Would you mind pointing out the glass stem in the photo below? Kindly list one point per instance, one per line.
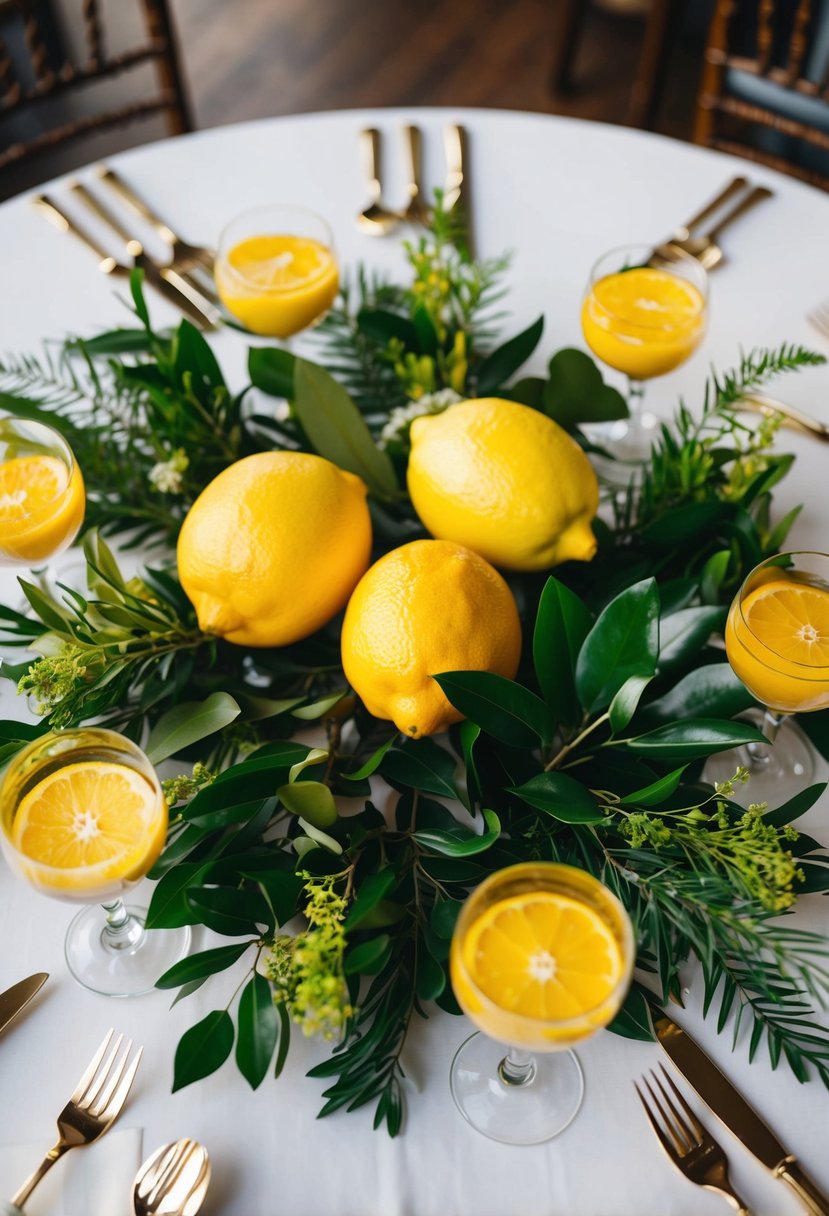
(636, 395)
(760, 753)
(517, 1067)
(122, 930)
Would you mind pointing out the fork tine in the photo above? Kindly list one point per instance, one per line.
(668, 1145)
(692, 1119)
(82, 1085)
(172, 1168)
(118, 1099)
(112, 1078)
(199, 282)
(96, 1085)
(680, 1142)
(687, 1132)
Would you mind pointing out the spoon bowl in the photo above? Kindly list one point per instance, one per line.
(173, 1181)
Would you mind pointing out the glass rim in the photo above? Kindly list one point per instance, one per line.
(265, 209)
(105, 735)
(628, 948)
(683, 259)
(769, 563)
(66, 455)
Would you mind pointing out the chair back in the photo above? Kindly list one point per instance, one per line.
(38, 75)
(765, 85)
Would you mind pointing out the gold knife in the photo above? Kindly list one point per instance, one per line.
(731, 1107)
(18, 996)
(456, 186)
(794, 418)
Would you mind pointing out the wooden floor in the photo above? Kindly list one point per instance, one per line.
(251, 58)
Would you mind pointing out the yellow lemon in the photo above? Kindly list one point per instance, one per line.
(505, 480)
(273, 547)
(425, 608)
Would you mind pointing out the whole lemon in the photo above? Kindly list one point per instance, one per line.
(273, 547)
(505, 480)
(425, 608)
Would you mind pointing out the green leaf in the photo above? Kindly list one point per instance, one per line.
(203, 1049)
(123, 341)
(229, 911)
(316, 755)
(311, 800)
(381, 326)
(657, 791)
(633, 1021)
(207, 962)
(560, 796)
(816, 726)
(713, 691)
(624, 642)
(256, 777)
(713, 576)
(506, 710)
(444, 917)
(430, 978)
(187, 723)
(281, 888)
(193, 355)
(137, 293)
(373, 762)
(272, 370)
(504, 362)
(459, 841)
(337, 430)
(529, 390)
(318, 709)
(561, 625)
(168, 905)
(371, 891)
(625, 703)
(676, 528)
(795, 807)
(421, 764)
(683, 634)
(693, 738)
(258, 1030)
(369, 958)
(576, 392)
(284, 1039)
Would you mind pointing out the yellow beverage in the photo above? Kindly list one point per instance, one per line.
(279, 284)
(541, 956)
(42, 503)
(777, 640)
(643, 321)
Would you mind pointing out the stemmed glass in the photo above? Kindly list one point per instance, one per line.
(276, 270)
(82, 818)
(541, 958)
(777, 642)
(42, 496)
(644, 321)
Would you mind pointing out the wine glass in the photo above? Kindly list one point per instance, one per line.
(541, 958)
(42, 496)
(276, 270)
(777, 642)
(82, 818)
(644, 321)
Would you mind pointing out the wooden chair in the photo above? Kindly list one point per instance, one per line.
(765, 85)
(37, 77)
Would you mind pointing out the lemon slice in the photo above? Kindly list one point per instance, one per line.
(543, 955)
(280, 263)
(791, 619)
(28, 485)
(91, 817)
(649, 298)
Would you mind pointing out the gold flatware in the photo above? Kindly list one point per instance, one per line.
(375, 219)
(193, 262)
(209, 316)
(16, 998)
(793, 418)
(456, 186)
(94, 1106)
(731, 1108)
(735, 186)
(107, 264)
(706, 248)
(691, 1148)
(819, 317)
(417, 210)
(173, 1181)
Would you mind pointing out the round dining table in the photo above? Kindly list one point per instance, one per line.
(557, 193)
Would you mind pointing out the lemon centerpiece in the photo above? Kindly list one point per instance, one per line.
(273, 547)
(505, 480)
(425, 608)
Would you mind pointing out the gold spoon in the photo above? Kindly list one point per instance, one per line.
(375, 219)
(706, 249)
(173, 1181)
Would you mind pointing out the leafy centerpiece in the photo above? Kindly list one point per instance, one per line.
(584, 745)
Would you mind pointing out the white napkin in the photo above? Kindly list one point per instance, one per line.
(95, 1181)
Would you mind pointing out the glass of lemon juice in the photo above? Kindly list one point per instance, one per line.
(777, 642)
(83, 818)
(541, 959)
(276, 270)
(42, 496)
(644, 321)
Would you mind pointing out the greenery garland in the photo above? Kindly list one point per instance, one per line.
(592, 756)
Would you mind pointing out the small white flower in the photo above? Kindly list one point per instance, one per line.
(401, 418)
(167, 475)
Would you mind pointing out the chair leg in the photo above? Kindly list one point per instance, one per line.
(570, 25)
(652, 71)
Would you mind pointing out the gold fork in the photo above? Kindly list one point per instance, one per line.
(94, 1106)
(819, 317)
(691, 1148)
(174, 1179)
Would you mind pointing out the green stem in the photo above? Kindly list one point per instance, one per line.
(574, 743)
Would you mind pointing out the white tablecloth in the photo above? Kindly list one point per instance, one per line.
(558, 192)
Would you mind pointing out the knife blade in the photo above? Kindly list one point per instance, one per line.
(18, 996)
(733, 1110)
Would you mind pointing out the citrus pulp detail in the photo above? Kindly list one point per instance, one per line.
(41, 506)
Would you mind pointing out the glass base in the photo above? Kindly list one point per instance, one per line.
(777, 772)
(128, 971)
(516, 1114)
